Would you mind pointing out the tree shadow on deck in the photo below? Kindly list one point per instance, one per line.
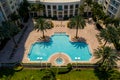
(45, 44)
(79, 42)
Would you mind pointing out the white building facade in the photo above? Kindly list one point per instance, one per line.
(59, 9)
(112, 8)
(7, 7)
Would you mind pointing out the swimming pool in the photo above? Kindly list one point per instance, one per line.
(59, 42)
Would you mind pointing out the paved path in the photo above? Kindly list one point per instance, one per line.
(5, 53)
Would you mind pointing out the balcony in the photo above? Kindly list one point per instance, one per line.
(113, 11)
(2, 1)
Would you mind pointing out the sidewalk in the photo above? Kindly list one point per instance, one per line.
(7, 50)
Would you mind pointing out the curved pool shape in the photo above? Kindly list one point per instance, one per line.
(59, 43)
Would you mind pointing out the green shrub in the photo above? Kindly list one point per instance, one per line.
(115, 76)
(69, 66)
(18, 67)
(48, 75)
(61, 70)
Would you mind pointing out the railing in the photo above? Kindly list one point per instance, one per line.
(37, 65)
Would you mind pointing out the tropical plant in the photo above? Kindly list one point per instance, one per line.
(107, 57)
(77, 22)
(14, 17)
(42, 25)
(48, 75)
(89, 3)
(36, 7)
(81, 10)
(11, 29)
(23, 9)
(3, 33)
(97, 11)
(116, 22)
(108, 35)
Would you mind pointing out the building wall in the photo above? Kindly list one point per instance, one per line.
(9, 6)
(59, 8)
(112, 8)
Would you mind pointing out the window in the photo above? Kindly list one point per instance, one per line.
(54, 7)
(12, 7)
(76, 11)
(65, 7)
(54, 12)
(76, 6)
(71, 6)
(71, 11)
(65, 12)
(60, 7)
(111, 8)
(48, 7)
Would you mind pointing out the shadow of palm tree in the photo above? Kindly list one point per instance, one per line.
(102, 74)
(46, 44)
(79, 42)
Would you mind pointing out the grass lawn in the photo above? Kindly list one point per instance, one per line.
(35, 74)
(86, 74)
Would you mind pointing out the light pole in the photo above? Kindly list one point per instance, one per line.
(77, 59)
(40, 59)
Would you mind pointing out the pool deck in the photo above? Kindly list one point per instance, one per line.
(31, 36)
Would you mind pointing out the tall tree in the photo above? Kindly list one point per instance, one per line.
(97, 11)
(81, 10)
(11, 30)
(14, 17)
(77, 22)
(42, 25)
(23, 10)
(89, 3)
(107, 57)
(48, 75)
(36, 7)
(3, 33)
(110, 34)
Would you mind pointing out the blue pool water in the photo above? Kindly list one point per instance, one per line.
(59, 43)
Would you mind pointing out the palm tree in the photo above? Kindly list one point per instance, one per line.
(110, 34)
(39, 7)
(36, 7)
(48, 75)
(14, 17)
(116, 22)
(3, 33)
(77, 22)
(97, 11)
(89, 3)
(107, 57)
(104, 35)
(23, 10)
(42, 25)
(81, 10)
(11, 30)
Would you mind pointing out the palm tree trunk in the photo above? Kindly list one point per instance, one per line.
(76, 32)
(105, 43)
(43, 34)
(14, 42)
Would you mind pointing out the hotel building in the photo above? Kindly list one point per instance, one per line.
(59, 9)
(112, 8)
(7, 7)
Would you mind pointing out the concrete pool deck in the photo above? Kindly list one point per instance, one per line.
(31, 36)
